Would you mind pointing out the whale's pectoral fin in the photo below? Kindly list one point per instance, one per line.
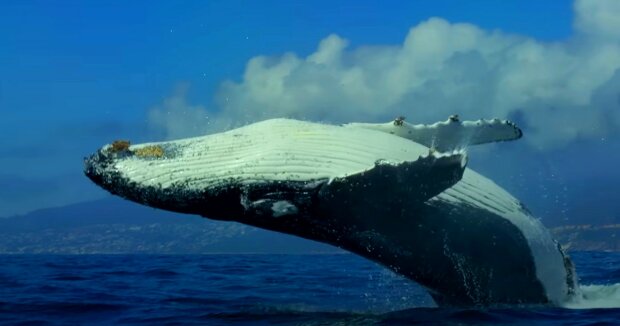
(388, 188)
(450, 134)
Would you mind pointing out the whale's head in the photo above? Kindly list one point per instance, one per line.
(166, 181)
(164, 175)
(274, 171)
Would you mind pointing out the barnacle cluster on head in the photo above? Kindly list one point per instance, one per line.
(151, 151)
(119, 146)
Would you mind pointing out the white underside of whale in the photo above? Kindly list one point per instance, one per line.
(291, 150)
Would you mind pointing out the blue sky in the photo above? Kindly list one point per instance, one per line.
(78, 74)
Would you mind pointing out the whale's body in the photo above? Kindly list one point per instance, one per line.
(380, 195)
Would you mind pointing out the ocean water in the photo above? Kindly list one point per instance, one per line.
(262, 289)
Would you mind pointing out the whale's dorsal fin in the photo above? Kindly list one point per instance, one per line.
(450, 134)
(390, 186)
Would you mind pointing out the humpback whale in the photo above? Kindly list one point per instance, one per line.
(396, 193)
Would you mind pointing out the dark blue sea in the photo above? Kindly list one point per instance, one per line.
(261, 289)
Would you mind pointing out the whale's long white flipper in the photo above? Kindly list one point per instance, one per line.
(450, 134)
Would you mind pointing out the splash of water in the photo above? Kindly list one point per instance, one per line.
(596, 297)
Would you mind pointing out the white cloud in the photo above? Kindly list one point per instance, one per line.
(598, 18)
(562, 90)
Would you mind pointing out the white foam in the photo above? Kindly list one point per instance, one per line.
(596, 296)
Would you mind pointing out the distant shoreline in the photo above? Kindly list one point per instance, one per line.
(588, 237)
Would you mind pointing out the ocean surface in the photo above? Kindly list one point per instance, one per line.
(262, 289)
